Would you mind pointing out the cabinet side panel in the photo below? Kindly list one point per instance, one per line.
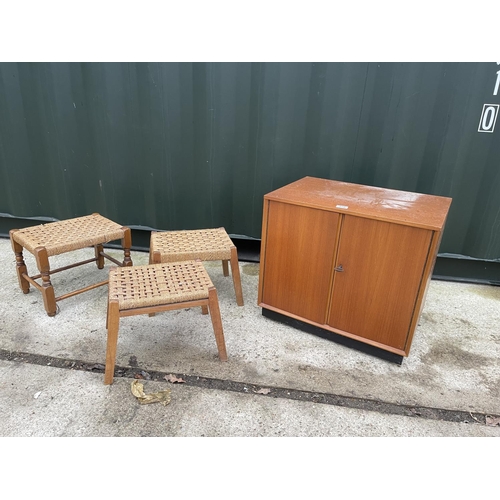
(263, 242)
(300, 244)
(431, 261)
(383, 264)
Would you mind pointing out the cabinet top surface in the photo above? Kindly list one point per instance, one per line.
(405, 207)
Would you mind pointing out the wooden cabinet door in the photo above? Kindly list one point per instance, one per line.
(299, 251)
(382, 267)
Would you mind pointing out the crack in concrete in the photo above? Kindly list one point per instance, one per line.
(443, 414)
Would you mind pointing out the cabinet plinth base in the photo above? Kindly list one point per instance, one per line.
(334, 337)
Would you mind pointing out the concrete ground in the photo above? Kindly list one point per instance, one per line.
(278, 381)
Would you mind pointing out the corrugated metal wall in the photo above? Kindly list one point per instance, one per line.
(188, 145)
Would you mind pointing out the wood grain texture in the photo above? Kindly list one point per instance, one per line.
(352, 259)
(403, 207)
(299, 250)
(326, 327)
(113, 325)
(374, 297)
(426, 279)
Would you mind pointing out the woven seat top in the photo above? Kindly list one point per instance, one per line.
(204, 244)
(158, 284)
(70, 234)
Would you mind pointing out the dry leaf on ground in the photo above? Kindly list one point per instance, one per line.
(174, 379)
(263, 391)
(492, 420)
(155, 397)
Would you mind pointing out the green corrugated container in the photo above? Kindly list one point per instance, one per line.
(191, 145)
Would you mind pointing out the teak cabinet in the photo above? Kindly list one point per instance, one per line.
(350, 259)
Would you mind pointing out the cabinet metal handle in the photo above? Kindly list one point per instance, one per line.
(339, 268)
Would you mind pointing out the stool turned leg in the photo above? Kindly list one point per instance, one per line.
(20, 264)
(204, 309)
(127, 244)
(100, 259)
(49, 298)
(213, 305)
(235, 269)
(113, 323)
(225, 268)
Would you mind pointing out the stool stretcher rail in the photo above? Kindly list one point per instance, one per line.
(81, 290)
(47, 240)
(54, 271)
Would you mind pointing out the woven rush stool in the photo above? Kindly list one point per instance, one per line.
(155, 288)
(203, 244)
(54, 238)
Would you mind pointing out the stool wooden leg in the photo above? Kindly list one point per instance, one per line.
(113, 323)
(151, 249)
(20, 264)
(49, 298)
(107, 311)
(98, 256)
(204, 309)
(225, 268)
(127, 244)
(213, 305)
(235, 269)
(154, 258)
